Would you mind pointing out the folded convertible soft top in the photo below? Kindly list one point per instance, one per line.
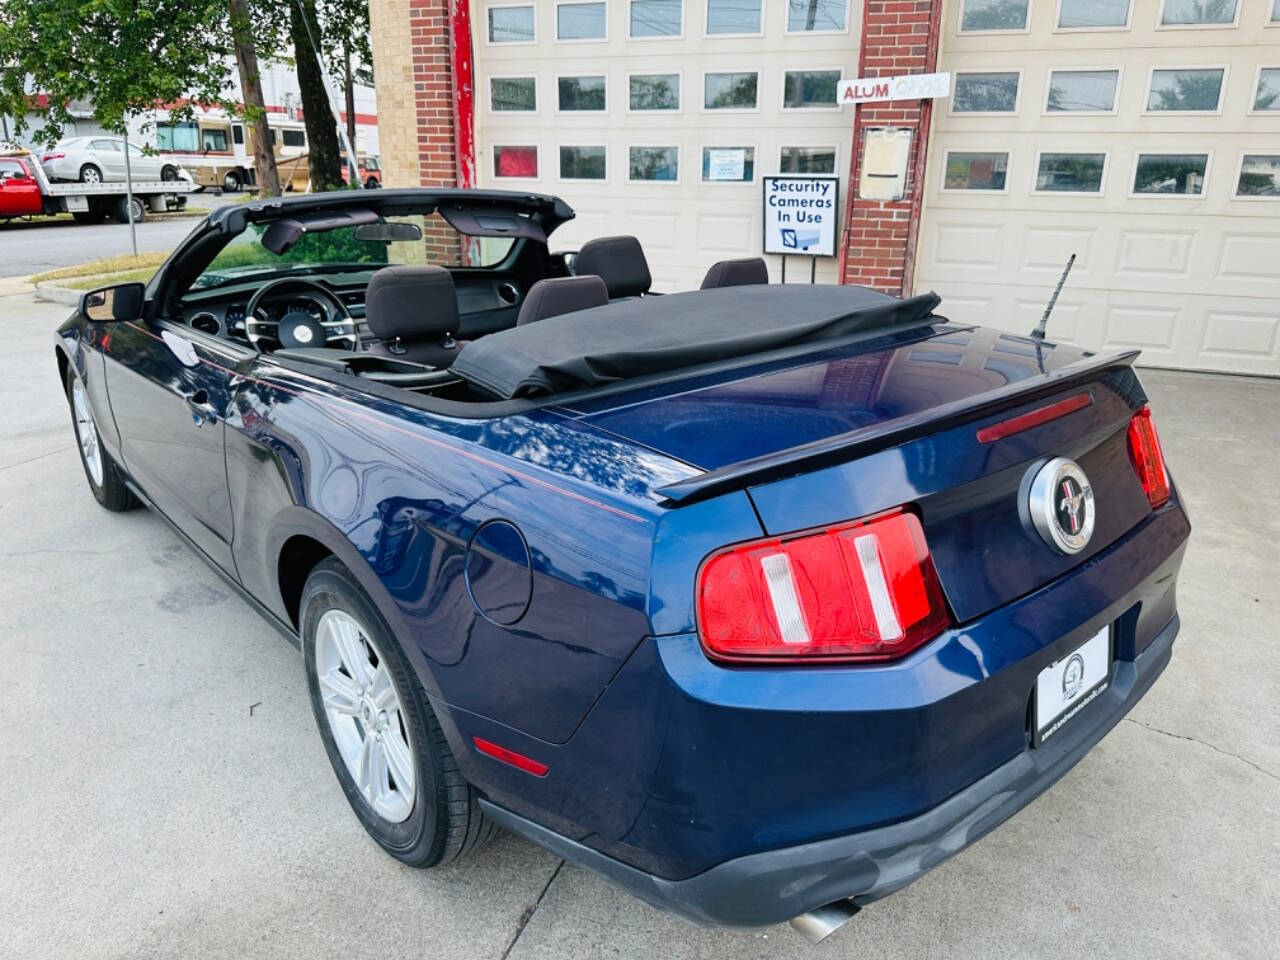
(656, 334)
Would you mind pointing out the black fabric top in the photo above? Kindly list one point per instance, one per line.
(631, 338)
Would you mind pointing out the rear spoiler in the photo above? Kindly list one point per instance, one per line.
(891, 433)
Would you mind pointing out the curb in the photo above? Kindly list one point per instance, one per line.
(14, 286)
(48, 290)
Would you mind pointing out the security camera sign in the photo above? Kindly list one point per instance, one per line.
(800, 215)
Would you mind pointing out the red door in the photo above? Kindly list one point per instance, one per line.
(19, 191)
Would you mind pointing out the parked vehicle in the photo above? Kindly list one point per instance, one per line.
(760, 601)
(25, 191)
(101, 159)
(219, 152)
(369, 169)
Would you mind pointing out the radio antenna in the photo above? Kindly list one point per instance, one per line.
(1039, 332)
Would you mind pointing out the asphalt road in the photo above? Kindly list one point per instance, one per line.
(28, 248)
(165, 794)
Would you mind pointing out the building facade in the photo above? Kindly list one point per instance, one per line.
(1141, 135)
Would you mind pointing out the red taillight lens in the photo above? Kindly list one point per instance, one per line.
(1147, 457)
(865, 590)
(52, 156)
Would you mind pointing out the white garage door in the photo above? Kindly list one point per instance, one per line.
(1143, 137)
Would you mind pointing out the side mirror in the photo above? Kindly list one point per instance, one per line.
(121, 302)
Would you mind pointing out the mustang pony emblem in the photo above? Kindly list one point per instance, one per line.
(1060, 505)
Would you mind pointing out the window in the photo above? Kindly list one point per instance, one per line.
(813, 16)
(657, 18)
(654, 91)
(1275, 12)
(294, 138)
(1079, 14)
(582, 163)
(581, 93)
(1185, 90)
(1268, 95)
(581, 21)
(660, 164)
(808, 160)
(12, 170)
(985, 93)
(215, 140)
(1171, 173)
(975, 171)
(515, 161)
(733, 16)
(994, 14)
(513, 94)
(178, 136)
(1070, 172)
(728, 164)
(1082, 91)
(809, 88)
(237, 133)
(1185, 12)
(1259, 176)
(730, 91)
(511, 24)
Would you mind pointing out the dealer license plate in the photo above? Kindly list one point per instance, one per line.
(1066, 687)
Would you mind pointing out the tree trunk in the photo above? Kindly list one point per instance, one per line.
(255, 112)
(351, 98)
(322, 131)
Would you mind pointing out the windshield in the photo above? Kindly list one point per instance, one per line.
(336, 250)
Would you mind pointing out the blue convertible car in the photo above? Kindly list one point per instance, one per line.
(759, 600)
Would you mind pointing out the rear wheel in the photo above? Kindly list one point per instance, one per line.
(168, 173)
(106, 482)
(122, 210)
(90, 174)
(383, 739)
(232, 182)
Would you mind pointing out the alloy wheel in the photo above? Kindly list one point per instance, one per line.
(86, 432)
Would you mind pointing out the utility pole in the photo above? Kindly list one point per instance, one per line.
(128, 190)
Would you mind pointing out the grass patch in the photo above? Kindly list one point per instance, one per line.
(147, 262)
(106, 280)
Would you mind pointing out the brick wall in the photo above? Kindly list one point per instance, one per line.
(899, 37)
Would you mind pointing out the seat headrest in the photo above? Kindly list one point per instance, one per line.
(736, 273)
(550, 298)
(411, 302)
(619, 262)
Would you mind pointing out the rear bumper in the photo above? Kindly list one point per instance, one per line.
(773, 886)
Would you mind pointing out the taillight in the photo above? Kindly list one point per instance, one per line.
(864, 590)
(52, 156)
(1147, 457)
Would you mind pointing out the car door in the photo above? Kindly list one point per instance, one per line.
(142, 166)
(19, 192)
(170, 388)
(108, 157)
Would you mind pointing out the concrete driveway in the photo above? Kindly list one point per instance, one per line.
(164, 792)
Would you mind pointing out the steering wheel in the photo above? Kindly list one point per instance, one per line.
(298, 328)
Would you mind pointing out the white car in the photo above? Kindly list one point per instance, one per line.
(101, 160)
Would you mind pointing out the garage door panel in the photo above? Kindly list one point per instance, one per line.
(1150, 329)
(1046, 247)
(1251, 258)
(967, 246)
(1148, 254)
(1249, 336)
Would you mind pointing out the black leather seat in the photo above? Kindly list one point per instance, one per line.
(551, 298)
(413, 311)
(746, 272)
(619, 262)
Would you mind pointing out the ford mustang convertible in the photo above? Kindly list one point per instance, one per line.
(758, 600)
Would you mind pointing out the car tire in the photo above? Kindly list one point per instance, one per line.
(231, 182)
(90, 174)
(168, 173)
(372, 184)
(121, 212)
(346, 641)
(106, 481)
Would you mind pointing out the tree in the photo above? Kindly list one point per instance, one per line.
(322, 134)
(120, 56)
(255, 111)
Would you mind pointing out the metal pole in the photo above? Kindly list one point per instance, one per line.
(784, 268)
(813, 270)
(128, 190)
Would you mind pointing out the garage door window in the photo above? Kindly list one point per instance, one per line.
(730, 91)
(1259, 176)
(654, 91)
(1082, 91)
(985, 93)
(733, 17)
(975, 171)
(1198, 12)
(1268, 95)
(807, 160)
(653, 164)
(808, 89)
(657, 18)
(1195, 91)
(582, 163)
(1171, 174)
(515, 161)
(581, 93)
(1070, 172)
(581, 21)
(814, 16)
(1093, 14)
(513, 94)
(511, 24)
(994, 15)
(728, 164)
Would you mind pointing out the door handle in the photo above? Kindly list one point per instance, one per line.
(202, 411)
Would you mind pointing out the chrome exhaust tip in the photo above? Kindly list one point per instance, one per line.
(816, 925)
